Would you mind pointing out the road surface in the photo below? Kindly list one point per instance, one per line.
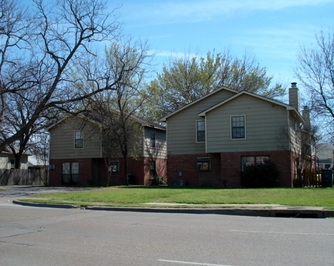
(47, 236)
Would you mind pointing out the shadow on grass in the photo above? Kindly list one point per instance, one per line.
(173, 187)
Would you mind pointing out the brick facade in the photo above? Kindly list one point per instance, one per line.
(226, 168)
(184, 167)
(94, 172)
(85, 171)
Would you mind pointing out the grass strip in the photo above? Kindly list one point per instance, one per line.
(140, 196)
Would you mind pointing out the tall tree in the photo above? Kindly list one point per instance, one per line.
(116, 109)
(40, 46)
(188, 79)
(316, 73)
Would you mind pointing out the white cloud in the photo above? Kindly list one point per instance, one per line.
(171, 54)
(168, 12)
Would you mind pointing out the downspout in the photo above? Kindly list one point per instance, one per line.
(206, 135)
(289, 130)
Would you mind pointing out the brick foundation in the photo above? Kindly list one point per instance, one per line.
(85, 172)
(93, 172)
(226, 168)
(184, 167)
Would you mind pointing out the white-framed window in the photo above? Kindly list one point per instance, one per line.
(70, 172)
(200, 131)
(78, 139)
(203, 164)
(251, 160)
(238, 127)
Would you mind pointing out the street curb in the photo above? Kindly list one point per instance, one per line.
(46, 205)
(282, 213)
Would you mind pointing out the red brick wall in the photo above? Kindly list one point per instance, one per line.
(231, 166)
(186, 166)
(93, 172)
(160, 168)
(85, 171)
(226, 168)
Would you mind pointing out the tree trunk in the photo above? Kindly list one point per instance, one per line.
(17, 163)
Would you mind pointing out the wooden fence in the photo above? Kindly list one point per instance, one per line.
(23, 177)
(309, 178)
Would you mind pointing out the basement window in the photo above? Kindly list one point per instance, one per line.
(251, 160)
(114, 167)
(203, 164)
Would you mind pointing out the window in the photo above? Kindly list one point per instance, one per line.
(238, 127)
(75, 172)
(114, 167)
(251, 160)
(200, 131)
(152, 169)
(78, 139)
(203, 164)
(152, 139)
(70, 172)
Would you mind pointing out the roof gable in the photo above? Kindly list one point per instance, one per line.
(69, 117)
(240, 94)
(95, 119)
(164, 119)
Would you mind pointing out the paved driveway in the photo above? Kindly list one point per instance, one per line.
(10, 193)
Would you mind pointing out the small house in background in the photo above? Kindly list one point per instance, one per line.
(212, 140)
(27, 174)
(7, 160)
(78, 154)
(325, 154)
(36, 162)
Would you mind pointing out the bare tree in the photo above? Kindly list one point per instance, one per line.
(116, 109)
(316, 72)
(15, 25)
(54, 37)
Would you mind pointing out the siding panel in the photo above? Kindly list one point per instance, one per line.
(181, 127)
(62, 140)
(160, 149)
(265, 126)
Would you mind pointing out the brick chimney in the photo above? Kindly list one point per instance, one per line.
(294, 96)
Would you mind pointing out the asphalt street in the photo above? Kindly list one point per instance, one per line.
(56, 236)
(51, 236)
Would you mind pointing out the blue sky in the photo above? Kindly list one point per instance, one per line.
(272, 30)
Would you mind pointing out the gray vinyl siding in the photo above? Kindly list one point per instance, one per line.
(181, 127)
(160, 149)
(295, 136)
(266, 126)
(62, 140)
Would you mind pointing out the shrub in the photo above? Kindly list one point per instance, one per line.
(260, 175)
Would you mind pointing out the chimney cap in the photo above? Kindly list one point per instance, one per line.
(293, 84)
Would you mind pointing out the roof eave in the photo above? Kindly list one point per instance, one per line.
(164, 119)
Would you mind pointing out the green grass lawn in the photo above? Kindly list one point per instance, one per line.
(140, 196)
